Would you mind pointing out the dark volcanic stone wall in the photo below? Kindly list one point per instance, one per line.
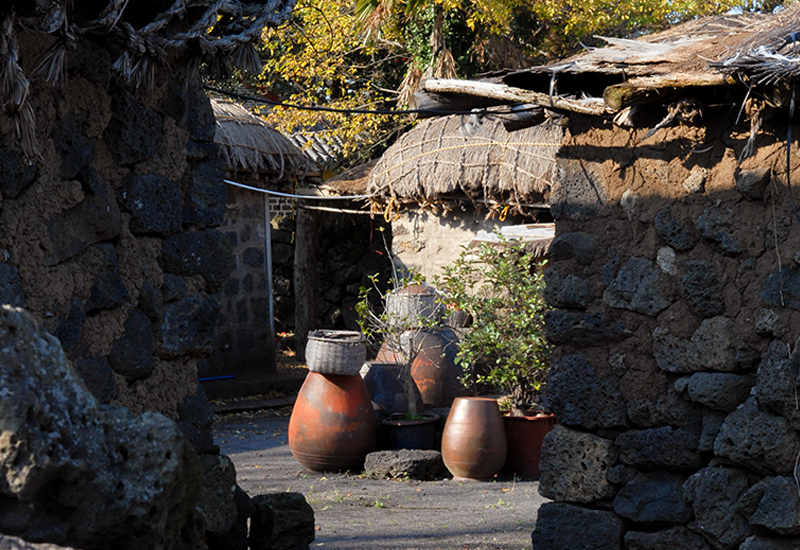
(109, 238)
(243, 345)
(676, 282)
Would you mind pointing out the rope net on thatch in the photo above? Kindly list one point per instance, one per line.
(187, 33)
(444, 161)
(250, 144)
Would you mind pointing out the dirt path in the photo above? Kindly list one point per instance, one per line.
(353, 512)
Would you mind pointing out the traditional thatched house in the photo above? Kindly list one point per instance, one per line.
(452, 180)
(299, 272)
(260, 159)
(675, 281)
(110, 215)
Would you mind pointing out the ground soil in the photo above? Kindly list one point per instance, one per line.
(354, 512)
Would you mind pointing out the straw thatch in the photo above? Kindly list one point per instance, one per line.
(682, 50)
(350, 182)
(761, 50)
(251, 145)
(444, 162)
(143, 34)
(771, 55)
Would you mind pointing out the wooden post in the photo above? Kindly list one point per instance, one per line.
(306, 299)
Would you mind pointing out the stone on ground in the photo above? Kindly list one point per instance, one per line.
(404, 463)
(78, 473)
(281, 521)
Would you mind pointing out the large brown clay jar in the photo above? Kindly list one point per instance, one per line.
(332, 427)
(434, 368)
(474, 440)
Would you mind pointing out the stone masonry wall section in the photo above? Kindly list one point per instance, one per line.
(110, 238)
(675, 278)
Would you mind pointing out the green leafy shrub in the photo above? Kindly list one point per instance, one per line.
(500, 285)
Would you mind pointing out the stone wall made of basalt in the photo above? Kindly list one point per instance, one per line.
(110, 237)
(243, 343)
(675, 282)
(350, 249)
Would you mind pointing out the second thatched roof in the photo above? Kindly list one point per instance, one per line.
(447, 161)
(757, 53)
(249, 144)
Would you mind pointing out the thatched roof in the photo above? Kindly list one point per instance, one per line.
(447, 161)
(720, 51)
(249, 144)
(350, 182)
(142, 34)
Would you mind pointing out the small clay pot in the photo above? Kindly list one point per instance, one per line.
(524, 435)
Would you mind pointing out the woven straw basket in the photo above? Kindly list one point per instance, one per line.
(336, 351)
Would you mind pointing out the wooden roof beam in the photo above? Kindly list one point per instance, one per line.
(508, 94)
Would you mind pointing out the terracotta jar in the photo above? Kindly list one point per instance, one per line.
(474, 440)
(434, 368)
(332, 427)
(524, 435)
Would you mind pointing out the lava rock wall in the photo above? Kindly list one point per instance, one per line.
(109, 237)
(675, 281)
(350, 249)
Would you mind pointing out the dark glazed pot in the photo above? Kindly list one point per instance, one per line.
(386, 387)
(524, 435)
(412, 434)
(474, 440)
(332, 427)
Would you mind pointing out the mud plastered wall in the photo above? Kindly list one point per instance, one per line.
(109, 238)
(675, 279)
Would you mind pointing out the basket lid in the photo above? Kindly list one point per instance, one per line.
(336, 335)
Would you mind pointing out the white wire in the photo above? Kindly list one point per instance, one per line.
(293, 196)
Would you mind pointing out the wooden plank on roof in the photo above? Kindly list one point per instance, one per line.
(506, 93)
(640, 90)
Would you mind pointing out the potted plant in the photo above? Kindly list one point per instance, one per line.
(399, 323)
(504, 349)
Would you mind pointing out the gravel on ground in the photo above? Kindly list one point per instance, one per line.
(355, 512)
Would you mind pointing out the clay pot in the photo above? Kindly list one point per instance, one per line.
(412, 434)
(434, 368)
(524, 436)
(474, 440)
(332, 427)
(404, 307)
(386, 387)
